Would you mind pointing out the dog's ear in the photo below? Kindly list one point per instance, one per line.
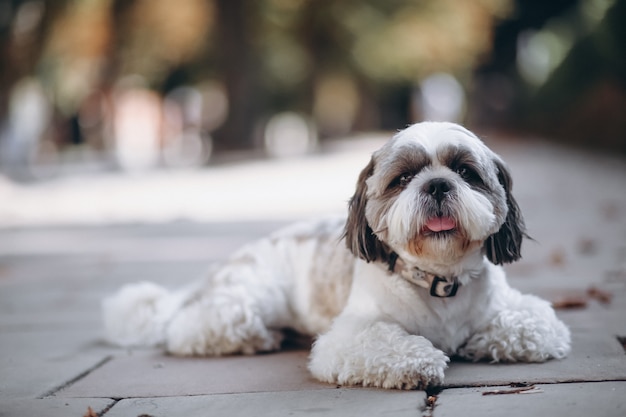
(505, 246)
(359, 236)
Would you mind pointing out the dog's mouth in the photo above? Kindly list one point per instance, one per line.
(439, 226)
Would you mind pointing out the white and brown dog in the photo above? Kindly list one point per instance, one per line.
(409, 279)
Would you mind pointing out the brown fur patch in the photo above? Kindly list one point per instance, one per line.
(331, 279)
(452, 249)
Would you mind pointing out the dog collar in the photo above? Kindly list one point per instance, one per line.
(440, 287)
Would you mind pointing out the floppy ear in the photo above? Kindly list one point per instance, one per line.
(359, 236)
(505, 246)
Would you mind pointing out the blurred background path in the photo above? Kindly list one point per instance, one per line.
(59, 260)
(146, 139)
(261, 189)
(133, 86)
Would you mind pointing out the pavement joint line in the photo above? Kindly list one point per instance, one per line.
(513, 384)
(77, 378)
(566, 382)
(622, 341)
(430, 402)
(102, 413)
(432, 393)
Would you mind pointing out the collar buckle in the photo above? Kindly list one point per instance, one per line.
(442, 288)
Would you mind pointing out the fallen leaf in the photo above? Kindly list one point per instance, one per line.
(597, 294)
(557, 258)
(587, 246)
(90, 413)
(569, 303)
(610, 210)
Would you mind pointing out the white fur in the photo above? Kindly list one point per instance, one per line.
(374, 328)
(139, 313)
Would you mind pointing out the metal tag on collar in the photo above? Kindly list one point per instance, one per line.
(442, 288)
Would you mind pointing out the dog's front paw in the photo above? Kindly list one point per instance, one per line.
(426, 370)
(519, 336)
(397, 360)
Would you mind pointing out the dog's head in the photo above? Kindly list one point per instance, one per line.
(433, 194)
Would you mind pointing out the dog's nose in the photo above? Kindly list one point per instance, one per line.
(438, 188)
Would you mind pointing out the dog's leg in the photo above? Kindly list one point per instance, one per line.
(240, 310)
(220, 324)
(526, 329)
(377, 354)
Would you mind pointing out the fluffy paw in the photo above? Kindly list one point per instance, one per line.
(384, 357)
(519, 336)
(409, 372)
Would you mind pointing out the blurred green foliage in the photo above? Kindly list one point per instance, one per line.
(270, 55)
(348, 65)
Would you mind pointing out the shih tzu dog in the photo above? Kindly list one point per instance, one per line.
(409, 279)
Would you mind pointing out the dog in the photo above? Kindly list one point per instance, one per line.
(412, 277)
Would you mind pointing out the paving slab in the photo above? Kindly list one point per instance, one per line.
(597, 318)
(52, 281)
(596, 356)
(336, 402)
(34, 364)
(597, 399)
(53, 275)
(153, 374)
(53, 407)
(176, 241)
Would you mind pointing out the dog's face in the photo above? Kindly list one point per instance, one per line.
(433, 194)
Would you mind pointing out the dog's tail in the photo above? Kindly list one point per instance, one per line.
(138, 314)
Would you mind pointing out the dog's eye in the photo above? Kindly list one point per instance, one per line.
(468, 174)
(401, 180)
(463, 172)
(405, 179)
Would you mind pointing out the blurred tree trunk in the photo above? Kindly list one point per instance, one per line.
(7, 70)
(313, 35)
(583, 100)
(239, 68)
(318, 33)
(120, 22)
(19, 55)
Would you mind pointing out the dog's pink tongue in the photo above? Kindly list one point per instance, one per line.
(438, 224)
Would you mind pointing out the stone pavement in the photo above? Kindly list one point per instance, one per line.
(54, 273)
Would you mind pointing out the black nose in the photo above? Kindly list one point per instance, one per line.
(438, 188)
